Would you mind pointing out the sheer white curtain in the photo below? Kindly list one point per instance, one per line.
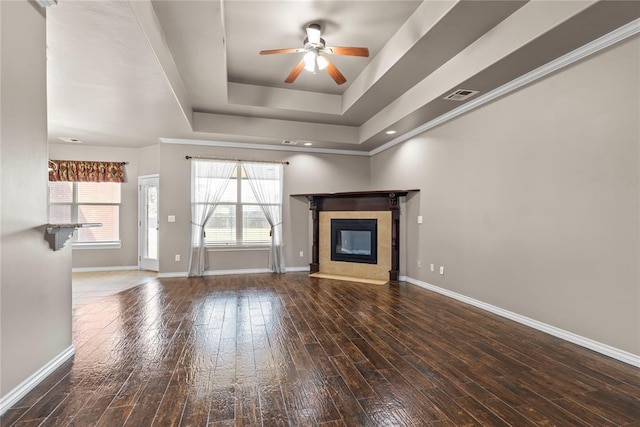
(209, 179)
(266, 181)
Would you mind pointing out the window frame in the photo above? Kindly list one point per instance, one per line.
(109, 244)
(239, 243)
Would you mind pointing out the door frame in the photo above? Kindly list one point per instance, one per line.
(142, 178)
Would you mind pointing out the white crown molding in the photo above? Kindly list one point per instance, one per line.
(112, 268)
(228, 144)
(595, 46)
(13, 396)
(607, 350)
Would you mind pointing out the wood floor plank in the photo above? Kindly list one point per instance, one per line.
(114, 416)
(354, 380)
(287, 349)
(347, 405)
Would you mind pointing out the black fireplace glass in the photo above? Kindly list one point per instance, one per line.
(354, 240)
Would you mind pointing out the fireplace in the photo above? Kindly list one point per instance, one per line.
(375, 255)
(354, 240)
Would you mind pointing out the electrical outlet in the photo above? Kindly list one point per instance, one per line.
(177, 257)
(433, 267)
(171, 218)
(301, 254)
(419, 219)
(419, 264)
(441, 270)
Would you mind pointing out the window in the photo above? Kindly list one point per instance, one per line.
(239, 219)
(71, 202)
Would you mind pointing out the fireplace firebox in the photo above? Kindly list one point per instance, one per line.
(354, 240)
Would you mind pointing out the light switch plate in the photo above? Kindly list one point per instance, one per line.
(171, 218)
(419, 219)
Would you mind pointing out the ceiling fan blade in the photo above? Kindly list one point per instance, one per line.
(347, 50)
(272, 51)
(335, 73)
(293, 75)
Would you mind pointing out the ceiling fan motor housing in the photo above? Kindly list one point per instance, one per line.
(308, 45)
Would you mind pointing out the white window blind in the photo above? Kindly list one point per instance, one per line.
(72, 202)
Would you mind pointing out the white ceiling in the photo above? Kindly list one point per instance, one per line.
(128, 73)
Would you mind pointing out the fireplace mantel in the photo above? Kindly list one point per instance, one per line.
(384, 200)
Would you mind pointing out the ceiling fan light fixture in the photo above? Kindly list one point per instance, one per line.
(322, 62)
(310, 61)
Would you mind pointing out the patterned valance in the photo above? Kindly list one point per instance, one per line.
(86, 171)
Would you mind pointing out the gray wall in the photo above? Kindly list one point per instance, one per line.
(531, 202)
(127, 255)
(148, 160)
(35, 282)
(307, 173)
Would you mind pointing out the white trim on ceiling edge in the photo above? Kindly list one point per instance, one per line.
(13, 396)
(618, 35)
(228, 144)
(607, 350)
(230, 272)
(113, 268)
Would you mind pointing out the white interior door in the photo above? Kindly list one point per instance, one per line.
(148, 222)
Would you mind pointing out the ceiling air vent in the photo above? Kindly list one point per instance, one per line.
(290, 142)
(461, 95)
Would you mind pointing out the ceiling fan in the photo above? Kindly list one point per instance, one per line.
(315, 57)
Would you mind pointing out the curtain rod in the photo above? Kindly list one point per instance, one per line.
(235, 160)
(122, 163)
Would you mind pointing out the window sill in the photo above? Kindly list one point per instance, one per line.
(106, 245)
(238, 248)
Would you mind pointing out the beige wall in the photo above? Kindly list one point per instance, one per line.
(127, 255)
(35, 281)
(307, 173)
(531, 202)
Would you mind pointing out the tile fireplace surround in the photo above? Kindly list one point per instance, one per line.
(381, 205)
(379, 271)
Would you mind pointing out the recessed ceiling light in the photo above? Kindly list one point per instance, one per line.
(70, 139)
(391, 132)
(308, 143)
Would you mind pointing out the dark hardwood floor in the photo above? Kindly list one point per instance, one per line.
(290, 350)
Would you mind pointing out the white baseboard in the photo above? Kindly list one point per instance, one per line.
(607, 350)
(229, 272)
(238, 271)
(297, 269)
(11, 398)
(114, 268)
(172, 274)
